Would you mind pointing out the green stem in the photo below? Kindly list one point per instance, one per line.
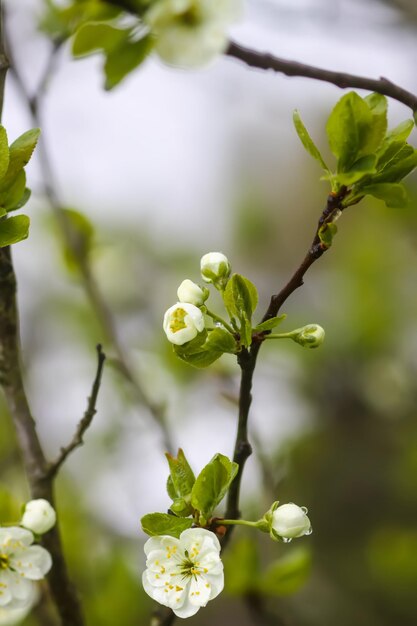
(280, 335)
(236, 522)
(219, 319)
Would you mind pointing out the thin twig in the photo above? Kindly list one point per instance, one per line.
(97, 301)
(266, 61)
(77, 440)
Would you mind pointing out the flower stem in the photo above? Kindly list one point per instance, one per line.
(219, 319)
(236, 522)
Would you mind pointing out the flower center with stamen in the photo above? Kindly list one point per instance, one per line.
(177, 321)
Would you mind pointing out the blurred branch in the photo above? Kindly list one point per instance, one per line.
(72, 241)
(266, 61)
(54, 467)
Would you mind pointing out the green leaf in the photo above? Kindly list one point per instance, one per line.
(220, 340)
(11, 198)
(287, 575)
(212, 484)
(125, 58)
(93, 37)
(378, 105)
(4, 152)
(181, 507)
(200, 359)
(240, 296)
(270, 324)
(393, 194)
(348, 129)
(164, 524)
(182, 475)
(19, 152)
(361, 168)
(13, 230)
(326, 234)
(404, 162)
(307, 142)
(171, 489)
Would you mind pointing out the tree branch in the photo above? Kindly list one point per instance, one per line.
(247, 359)
(266, 61)
(77, 440)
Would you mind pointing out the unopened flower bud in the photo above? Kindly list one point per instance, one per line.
(310, 336)
(191, 292)
(215, 268)
(182, 323)
(289, 521)
(39, 516)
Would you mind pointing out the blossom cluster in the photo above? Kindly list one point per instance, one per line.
(21, 562)
(185, 320)
(185, 573)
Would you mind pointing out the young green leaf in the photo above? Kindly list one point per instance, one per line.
(93, 37)
(125, 58)
(182, 475)
(200, 358)
(10, 198)
(4, 152)
(347, 129)
(13, 230)
(212, 484)
(375, 132)
(181, 507)
(270, 324)
(19, 155)
(326, 234)
(404, 162)
(307, 142)
(362, 167)
(393, 194)
(240, 296)
(164, 524)
(220, 340)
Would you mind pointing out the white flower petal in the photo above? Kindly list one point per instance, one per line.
(5, 587)
(9, 536)
(200, 590)
(33, 562)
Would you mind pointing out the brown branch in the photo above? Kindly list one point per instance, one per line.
(247, 359)
(77, 440)
(266, 61)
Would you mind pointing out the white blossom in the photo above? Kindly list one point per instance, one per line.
(214, 266)
(20, 564)
(39, 516)
(185, 573)
(190, 33)
(191, 292)
(290, 521)
(10, 617)
(182, 322)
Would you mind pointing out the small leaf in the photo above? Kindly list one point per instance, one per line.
(13, 230)
(182, 475)
(270, 324)
(361, 168)
(164, 524)
(4, 152)
(393, 194)
(287, 575)
(377, 129)
(125, 58)
(12, 197)
(326, 234)
(348, 129)
(307, 142)
(200, 359)
(93, 37)
(240, 296)
(181, 507)
(220, 340)
(171, 489)
(212, 484)
(404, 162)
(19, 152)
